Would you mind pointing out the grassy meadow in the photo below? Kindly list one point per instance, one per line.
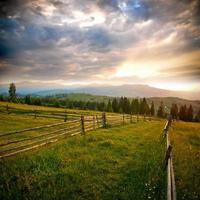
(116, 163)
(185, 139)
(122, 162)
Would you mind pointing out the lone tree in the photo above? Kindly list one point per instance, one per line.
(12, 92)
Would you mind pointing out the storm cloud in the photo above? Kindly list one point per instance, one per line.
(95, 40)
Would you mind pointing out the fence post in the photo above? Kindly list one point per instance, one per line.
(104, 120)
(35, 113)
(82, 125)
(131, 120)
(93, 120)
(171, 187)
(137, 118)
(97, 121)
(123, 118)
(65, 119)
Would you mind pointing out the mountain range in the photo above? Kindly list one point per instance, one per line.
(122, 90)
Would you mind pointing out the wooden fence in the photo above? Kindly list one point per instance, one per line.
(12, 143)
(62, 115)
(168, 163)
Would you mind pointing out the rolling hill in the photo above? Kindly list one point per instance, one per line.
(107, 90)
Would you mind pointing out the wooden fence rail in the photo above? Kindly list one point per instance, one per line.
(73, 124)
(168, 163)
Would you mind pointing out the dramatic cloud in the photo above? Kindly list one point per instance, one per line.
(99, 41)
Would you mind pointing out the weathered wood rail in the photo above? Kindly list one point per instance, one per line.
(62, 115)
(168, 163)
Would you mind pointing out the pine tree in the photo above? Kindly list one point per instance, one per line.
(121, 105)
(126, 105)
(141, 107)
(115, 106)
(134, 106)
(152, 110)
(1, 97)
(183, 113)
(145, 106)
(197, 118)
(160, 112)
(12, 92)
(147, 109)
(190, 114)
(137, 106)
(27, 99)
(109, 106)
(174, 111)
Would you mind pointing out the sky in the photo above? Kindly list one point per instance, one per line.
(115, 42)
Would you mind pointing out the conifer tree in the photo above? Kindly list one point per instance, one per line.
(197, 117)
(27, 99)
(183, 113)
(12, 92)
(109, 106)
(190, 114)
(152, 110)
(115, 106)
(160, 112)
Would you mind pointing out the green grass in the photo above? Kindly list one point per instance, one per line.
(45, 108)
(124, 162)
(185, 139)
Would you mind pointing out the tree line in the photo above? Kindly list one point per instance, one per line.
(184, 113)
(118, 105)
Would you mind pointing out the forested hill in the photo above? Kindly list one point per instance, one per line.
(168, 101)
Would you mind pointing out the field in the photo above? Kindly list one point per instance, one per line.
(119, 162)
(185, 139)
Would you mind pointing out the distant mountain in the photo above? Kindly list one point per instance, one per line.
(137, 91)
(126, 90)
(122, 90)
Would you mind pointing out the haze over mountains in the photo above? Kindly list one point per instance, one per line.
(122, 90)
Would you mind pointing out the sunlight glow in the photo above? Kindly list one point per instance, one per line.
(174, 86)
(138, 70)
(87, 20)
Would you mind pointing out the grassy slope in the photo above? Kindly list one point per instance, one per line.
(85, 97)
(33, 107)
(116, 163)
(185, 138)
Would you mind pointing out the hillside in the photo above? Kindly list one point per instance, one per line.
(98, 98)
(125, 90)
(120, 162)
(105, 90)
(169, 100)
